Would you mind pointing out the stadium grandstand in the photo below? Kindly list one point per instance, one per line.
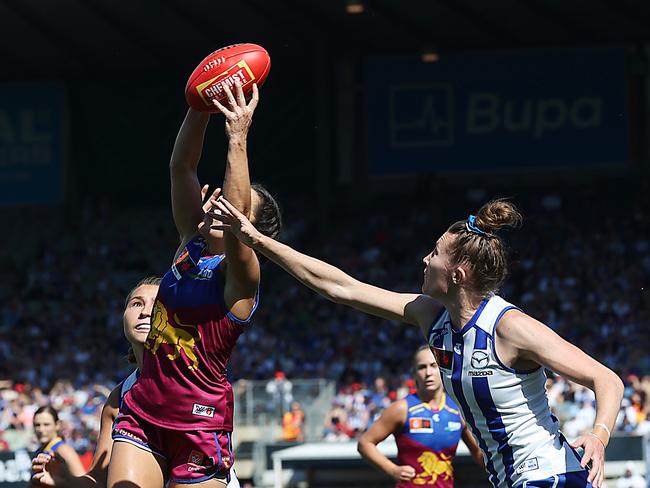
(380, 123)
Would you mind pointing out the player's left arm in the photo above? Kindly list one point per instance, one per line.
(524, 341)
(472, 445)
(71, 458)
(242, 266)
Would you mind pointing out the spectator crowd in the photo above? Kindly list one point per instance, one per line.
(581, 264)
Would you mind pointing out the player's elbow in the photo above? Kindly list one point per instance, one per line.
(611, 382)
(338, 293)
(616, 384)
(361, 446)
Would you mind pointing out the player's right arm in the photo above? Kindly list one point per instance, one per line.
(327, 280)
(53, 471)
(185, 187)
(390, 421)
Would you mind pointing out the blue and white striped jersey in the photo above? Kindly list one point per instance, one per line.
(506, 409)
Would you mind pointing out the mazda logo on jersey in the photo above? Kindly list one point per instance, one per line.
(480, 360)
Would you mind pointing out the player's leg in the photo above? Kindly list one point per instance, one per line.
(136, 459)
(135, 467)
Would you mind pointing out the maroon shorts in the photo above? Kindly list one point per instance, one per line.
(192, 456)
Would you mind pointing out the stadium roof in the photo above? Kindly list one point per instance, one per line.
(54, 38)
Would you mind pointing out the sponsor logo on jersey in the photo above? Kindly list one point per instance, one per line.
(196, 457)
(480, 359)
(485, 372)
(419, 425)
(443, 358)
(453, 426)
(528, 465)
(203, 410)
(437, 335)
(199, 462)
(204, 274)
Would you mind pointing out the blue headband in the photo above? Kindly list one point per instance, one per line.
(473, 228)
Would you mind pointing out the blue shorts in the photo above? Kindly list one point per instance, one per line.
(577, 479)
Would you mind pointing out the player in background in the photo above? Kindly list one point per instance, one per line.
(46, 428)
(176, 422)
(491, 354)
(58, 470)
(427, 427)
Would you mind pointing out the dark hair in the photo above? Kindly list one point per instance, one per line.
(486, 254)
(149, 280)
(267, 217)
(47, 409)
(423, 347)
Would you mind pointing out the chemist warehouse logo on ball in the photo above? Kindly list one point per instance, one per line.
(213, 88)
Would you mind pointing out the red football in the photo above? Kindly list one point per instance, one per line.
(247, 63)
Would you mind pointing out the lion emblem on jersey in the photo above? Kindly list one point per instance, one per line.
(433, 466)
(164, 332)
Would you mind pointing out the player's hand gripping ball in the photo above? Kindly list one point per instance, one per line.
(246, 63)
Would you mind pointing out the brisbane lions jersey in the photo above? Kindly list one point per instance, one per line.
(183, 383)
(428, 442)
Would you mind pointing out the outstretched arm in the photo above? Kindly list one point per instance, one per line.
(242, 267)
(183, 166)
(327, 280)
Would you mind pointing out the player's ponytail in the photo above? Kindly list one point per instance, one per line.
(478, 245)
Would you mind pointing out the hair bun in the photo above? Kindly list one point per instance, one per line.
(496, 214)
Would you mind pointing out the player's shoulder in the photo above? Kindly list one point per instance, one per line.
(451, 406)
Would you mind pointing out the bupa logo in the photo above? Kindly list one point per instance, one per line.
(203, 410)
(421, 115)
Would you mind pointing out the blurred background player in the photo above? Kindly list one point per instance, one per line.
(58, 470)
(501, 395)
(427, 427)
(46, 428)
(176, 422)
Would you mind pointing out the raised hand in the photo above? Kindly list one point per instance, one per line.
(225, 217)
(239, 115)
(207, 205)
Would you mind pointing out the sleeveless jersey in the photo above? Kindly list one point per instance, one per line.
(428, 442)
(183, 383)
(127, 383)
(506, 409)
(51, 447)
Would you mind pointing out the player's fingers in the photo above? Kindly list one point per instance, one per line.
(216, 193)
(579, 442)
(230, 207)
(223, 109)
(204, 191)
(221, 227)
(219, 217)
(231, 98)
(586, 457)
(255, 98)
(240, 94)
